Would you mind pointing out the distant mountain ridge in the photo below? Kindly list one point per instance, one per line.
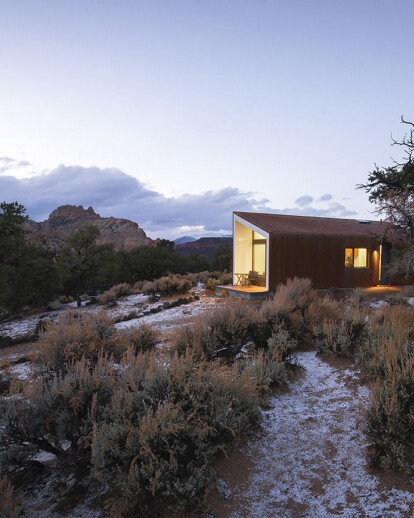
(64, 221)
(184, 239)
(205, 246)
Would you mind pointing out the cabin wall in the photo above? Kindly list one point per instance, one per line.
(322, 259)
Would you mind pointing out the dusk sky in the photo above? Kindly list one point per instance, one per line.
(175, 113)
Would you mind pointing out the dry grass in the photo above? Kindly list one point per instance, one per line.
(116, 292)
(78, 335)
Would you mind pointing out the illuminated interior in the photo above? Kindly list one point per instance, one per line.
(356, 257)
(360, 257)
(349, 256)
(250, 252)
(259, 258)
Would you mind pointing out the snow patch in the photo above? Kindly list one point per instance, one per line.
(310, 461)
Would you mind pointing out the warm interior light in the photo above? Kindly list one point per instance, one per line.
(380, 263)
(349, 258)
(360, 257)
(259, 258)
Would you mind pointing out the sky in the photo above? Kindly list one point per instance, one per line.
(174, 113)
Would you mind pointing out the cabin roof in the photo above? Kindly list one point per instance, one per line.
(287, 224)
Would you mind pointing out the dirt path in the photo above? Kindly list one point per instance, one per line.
(311, 461)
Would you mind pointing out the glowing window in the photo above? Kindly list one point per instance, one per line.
(256, 235)
(349, 256)
(360, 257)
(356, 257)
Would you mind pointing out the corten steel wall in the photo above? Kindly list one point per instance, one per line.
(322, 259)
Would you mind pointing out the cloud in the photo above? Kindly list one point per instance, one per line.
(325, 197)
(7, 159)
(13, 166)
(304, 201)
(111, 192)
(332, 210)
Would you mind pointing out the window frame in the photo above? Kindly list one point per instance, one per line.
(353, 257)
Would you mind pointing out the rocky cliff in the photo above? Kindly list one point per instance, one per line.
(65, 220)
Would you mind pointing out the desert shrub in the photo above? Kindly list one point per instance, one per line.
(292, 300)
(385, 325)
(165, 424)
(137, 288)
(281, 346)
(224, 331)
(393, 321)
(226, 278)
(325, 308)
(289, 308)
(266, 370)
(10, 504)
(212, 283)
(390, 417)
(229, 326)
(387, 358)
(56, 415)
(369, 358)
(295, 293)
(196, 336)
(221, 333)
(341, 338)
(116, 292)
(202, 276)
(359, 298)
(215, 275)
(168, 285)
(147, 428)
(264, 321)
(141, 338)
(173, 284)
(76, 335)
(149, 287)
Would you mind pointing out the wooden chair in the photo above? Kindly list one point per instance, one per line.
(253, 277)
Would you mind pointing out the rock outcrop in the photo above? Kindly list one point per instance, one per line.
(64, 221)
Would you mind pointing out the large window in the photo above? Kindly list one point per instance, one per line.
(356, 257)
(259, 253)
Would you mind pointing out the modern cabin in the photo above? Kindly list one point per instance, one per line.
(268, 249)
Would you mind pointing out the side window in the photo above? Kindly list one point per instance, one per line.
(349, 256)
(356, 257)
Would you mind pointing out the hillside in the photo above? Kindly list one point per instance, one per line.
(66, 219)
(204, 246)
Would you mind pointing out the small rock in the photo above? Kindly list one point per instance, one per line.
(54, 305)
